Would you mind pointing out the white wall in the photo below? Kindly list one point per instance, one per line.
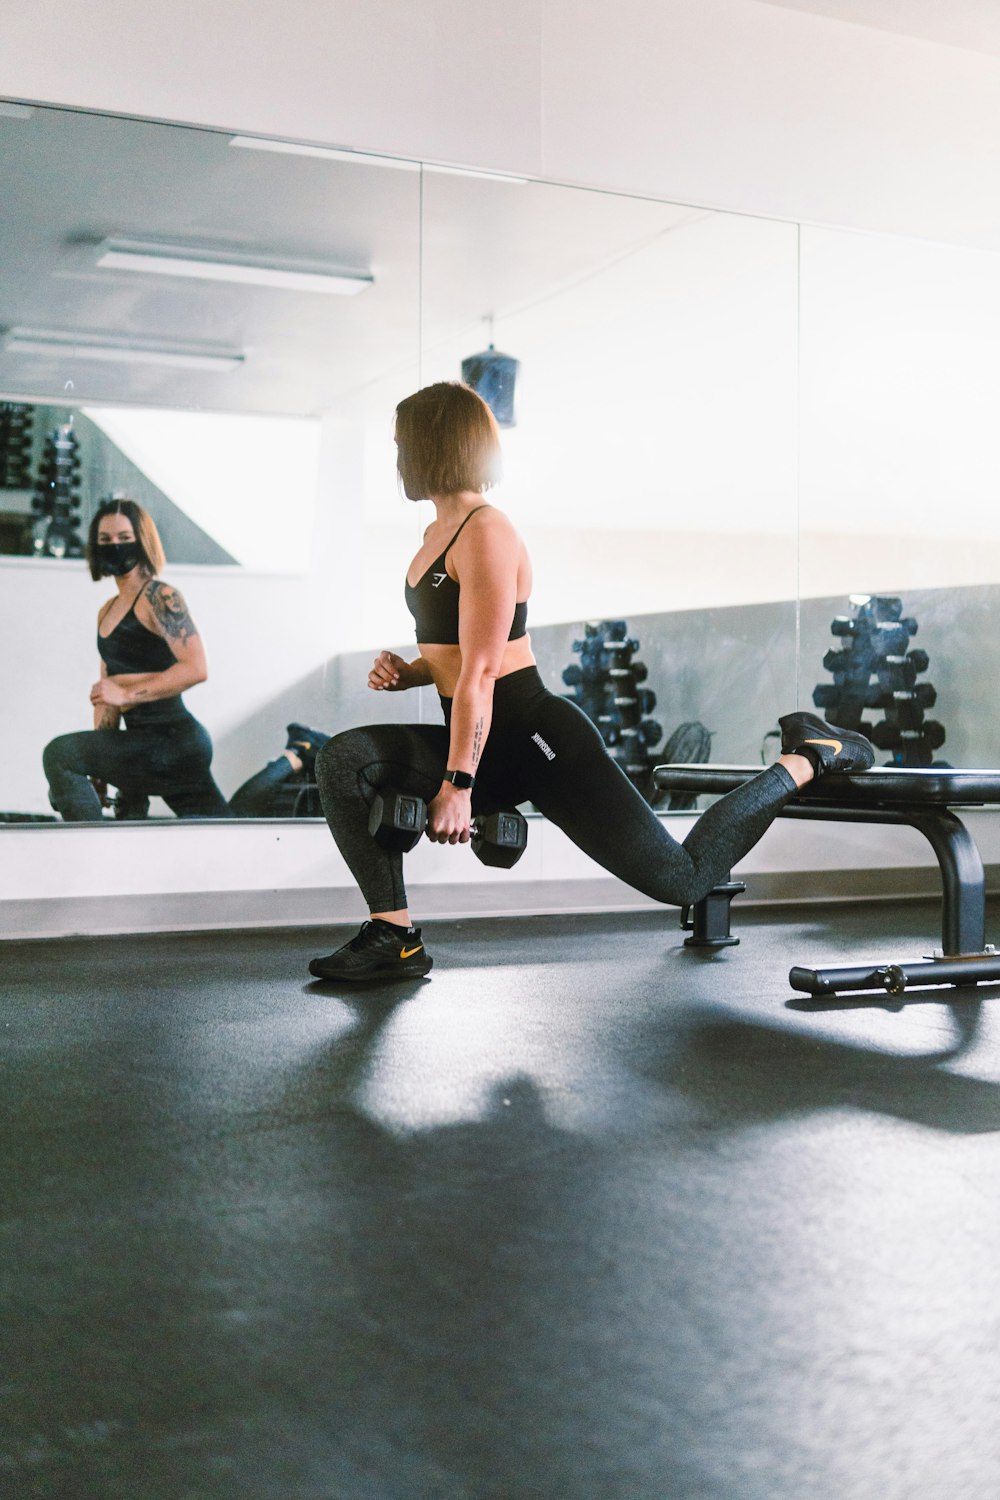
(900, 394)
(724, 103)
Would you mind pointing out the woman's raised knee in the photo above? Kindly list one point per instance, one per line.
(54, 755)
(340, 759)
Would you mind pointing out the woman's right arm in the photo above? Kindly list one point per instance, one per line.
(391, 674)
(106, 717)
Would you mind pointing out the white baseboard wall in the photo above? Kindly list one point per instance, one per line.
(70, 880)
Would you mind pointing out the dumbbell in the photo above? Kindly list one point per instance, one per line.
(907, 709)
(397, 820)
(891, 736)
(897, 672)
(638, 672)
(891, 638)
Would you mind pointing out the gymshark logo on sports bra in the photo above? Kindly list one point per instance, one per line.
(543, 747)
(437, 579)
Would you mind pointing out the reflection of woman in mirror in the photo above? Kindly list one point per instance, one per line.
(150, 652)
(285, 787)
(505, 738)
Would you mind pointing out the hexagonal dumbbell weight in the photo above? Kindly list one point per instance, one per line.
(500, 839)
(398, 819)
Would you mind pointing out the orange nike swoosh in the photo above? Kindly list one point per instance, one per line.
(837, 746)
(409, 952)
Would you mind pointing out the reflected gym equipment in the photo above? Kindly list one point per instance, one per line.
(493, 376)
(605, 683)
(56, 501)
(16, 423)
(875, 669)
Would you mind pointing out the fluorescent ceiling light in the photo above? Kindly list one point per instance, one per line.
(327, 153)
(15, 111)
(226, 265)
(63, 345)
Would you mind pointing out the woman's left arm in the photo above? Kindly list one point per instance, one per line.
(487, 569)
(165, 612)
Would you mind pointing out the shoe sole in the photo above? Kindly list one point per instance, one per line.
(375, 976)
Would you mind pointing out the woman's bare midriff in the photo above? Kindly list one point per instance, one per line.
(445, 663)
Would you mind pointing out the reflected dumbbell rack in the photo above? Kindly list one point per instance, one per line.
(606, 684)
(875, 669)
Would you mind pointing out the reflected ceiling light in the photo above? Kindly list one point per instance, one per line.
(161, 259)
(328, 153)
(15, 111)
(63, 345)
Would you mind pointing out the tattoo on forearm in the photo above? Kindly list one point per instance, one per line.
(170, 611)
(477, 742)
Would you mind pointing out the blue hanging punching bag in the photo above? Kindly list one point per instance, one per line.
(493, 376)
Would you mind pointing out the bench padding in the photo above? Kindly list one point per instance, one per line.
(879, 787)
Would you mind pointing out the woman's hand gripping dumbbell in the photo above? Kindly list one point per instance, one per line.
(398, 819)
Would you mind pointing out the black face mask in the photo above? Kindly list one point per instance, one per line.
(116, 558)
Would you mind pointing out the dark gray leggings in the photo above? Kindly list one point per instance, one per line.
(169, 759)
(542, 749)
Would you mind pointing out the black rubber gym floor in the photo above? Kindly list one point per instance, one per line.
(582, 1215)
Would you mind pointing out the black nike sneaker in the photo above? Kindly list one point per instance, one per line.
(381, 950)
(829, 748)
(305, 742)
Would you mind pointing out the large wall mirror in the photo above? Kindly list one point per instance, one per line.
(900, 541)
(221, 328)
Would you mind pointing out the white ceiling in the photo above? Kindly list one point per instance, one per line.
(971, 24)
(70, 180)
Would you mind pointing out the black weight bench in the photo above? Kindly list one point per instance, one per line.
(921, 799)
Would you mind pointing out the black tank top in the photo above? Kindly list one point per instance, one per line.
(433, 602)
(132, 648)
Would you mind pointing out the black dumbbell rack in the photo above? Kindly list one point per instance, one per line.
(56, 501)
(16, 422)
(606, 685)
(874, 669)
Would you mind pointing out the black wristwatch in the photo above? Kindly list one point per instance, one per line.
(462, 779)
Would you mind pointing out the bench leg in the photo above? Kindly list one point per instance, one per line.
(964, 957)
(895, 979)
(709, 926)
(963, 905)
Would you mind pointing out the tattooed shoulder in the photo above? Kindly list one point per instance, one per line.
(170, 611)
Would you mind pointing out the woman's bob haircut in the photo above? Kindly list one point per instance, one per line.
(152, 559)
(447, 440)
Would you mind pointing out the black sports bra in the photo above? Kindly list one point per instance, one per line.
(433, 602)
(131, 647)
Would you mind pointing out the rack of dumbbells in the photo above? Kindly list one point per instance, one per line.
(606, 686)
(16, 422)
(873, 669)
(56, 501)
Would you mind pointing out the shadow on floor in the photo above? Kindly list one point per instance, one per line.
(742, 1071)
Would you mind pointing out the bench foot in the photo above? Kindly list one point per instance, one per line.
(709, 926)
(895, 979)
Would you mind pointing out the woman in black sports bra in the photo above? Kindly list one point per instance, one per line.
(150, 652)
(505, 739)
